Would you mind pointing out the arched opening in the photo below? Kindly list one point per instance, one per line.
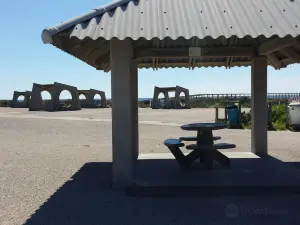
(65, 95)
(46, 97)
(97, 100)
(161, 99)
(21, 98)
(170, 101)
(65, 99)
(182, 99)
(82, 97)
(171, 94)
(161, 95)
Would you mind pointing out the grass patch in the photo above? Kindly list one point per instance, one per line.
(279, 118)
(279, 126)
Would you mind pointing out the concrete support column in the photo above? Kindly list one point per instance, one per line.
(124, 94)
(14, 101)
(259, 106)
(176, 103)
(36, 101)
(89, 100)
(155, 104)
(135, 108)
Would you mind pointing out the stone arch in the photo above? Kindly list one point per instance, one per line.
(65, 99)
(173, 102)
(46, 95)
(161, 99)
(170, 102)
(90, 97)
(24, 103)
(161, 95)
(46, 99)
(157, 103)
(178, 100)
(65, 95)
(182, 99)
(103, 101)
(97, 96)
(21, 98)
(82, 96)
(36, 102)
(97, 100)
(171, 94)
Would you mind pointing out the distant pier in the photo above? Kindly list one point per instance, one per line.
(273, 96)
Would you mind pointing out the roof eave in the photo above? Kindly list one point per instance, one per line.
(47, 37)
(50, 31)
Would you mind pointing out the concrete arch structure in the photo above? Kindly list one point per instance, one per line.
(25, 104)
(88, 102)
(169, 103)
(37, 103)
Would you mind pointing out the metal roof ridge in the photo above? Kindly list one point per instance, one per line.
(47, 33)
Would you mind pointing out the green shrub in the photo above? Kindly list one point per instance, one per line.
(278, 113)
(278, 117)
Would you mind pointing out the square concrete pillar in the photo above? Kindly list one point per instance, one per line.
(124, 94)
(259, 106)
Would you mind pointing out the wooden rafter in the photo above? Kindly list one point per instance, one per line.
(276, 44)
(106, 66)
(98, 56)
(228, 62)
(292, 54)
(201, 53)
(274, 61)
(100, 60)
(91, 44)
(96, 51)
(197, 64)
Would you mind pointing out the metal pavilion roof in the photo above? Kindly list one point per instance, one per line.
(171, 24)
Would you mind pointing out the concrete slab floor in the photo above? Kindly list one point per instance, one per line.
(58, 171)
(159, 174)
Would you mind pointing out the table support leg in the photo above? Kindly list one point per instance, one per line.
(179, 156)
(220, 158)
(202, 159)
(191, 157)
(205, 138)
(208, 159)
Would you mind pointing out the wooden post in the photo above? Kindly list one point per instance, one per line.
(217, 115)
(270, 125)
(287, 115)
(240, 114)
(225, 112)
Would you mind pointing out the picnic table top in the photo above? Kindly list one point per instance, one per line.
(203, 126)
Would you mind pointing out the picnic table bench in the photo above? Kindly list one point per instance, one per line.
(205, 149)
(174, 146)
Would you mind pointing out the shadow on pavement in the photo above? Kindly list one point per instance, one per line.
(87, 199)
(265, 176)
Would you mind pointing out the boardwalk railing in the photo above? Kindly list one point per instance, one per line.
(275, 96)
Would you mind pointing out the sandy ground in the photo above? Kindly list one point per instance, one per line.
(54, 170)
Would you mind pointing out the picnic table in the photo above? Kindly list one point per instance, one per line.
(204, 131)
(205, 149)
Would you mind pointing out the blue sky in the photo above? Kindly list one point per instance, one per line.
(24, 59)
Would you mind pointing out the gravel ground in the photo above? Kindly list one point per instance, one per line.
(54, 169)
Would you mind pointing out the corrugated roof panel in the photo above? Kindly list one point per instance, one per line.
(180, 23)
(194, 18)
